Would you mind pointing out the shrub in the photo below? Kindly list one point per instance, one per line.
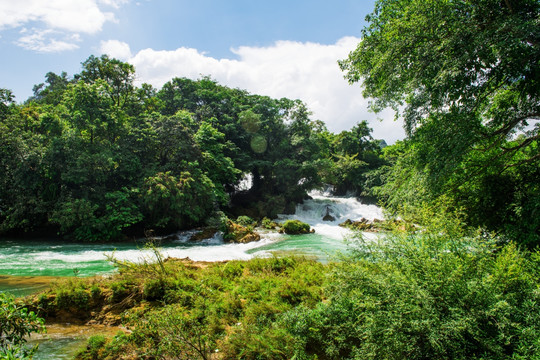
(246, 221)
(229, 307)
(293, 227)
(426, 296)
(268, 224)
(16, 323)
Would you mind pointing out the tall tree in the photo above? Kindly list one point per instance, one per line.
(54, 90)
(465, 77)
(472, 66)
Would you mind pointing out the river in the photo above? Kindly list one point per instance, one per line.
(28, 266)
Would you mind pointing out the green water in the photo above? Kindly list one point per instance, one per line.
(317, 246)
(59, 348)
(45, 257)
(63, 341)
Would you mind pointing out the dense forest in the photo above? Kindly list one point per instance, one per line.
(94, 157)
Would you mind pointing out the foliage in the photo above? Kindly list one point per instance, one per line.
(181, 202)
(268, 224)
(348, 159)
(245, 221)
(235, 232)
(464, 77)
(294, 227)
(193, 309)
(16, 322)
(96, 158)
(431, 295)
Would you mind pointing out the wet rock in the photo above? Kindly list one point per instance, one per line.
(206, 233)
(295, 227)
(361, 225)
(328, 217)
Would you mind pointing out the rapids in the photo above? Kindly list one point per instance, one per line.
(43, 257)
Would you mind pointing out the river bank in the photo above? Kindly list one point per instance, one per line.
(64, 262)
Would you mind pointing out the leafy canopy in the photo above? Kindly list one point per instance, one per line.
(464, 76)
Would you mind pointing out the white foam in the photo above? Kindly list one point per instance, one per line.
(313, 210)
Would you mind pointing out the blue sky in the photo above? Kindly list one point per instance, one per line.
(276, 48)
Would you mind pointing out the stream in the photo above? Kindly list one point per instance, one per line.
(29, 266)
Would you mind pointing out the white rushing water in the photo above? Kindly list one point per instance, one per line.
(313, 211)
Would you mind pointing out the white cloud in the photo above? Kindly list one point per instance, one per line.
(306, 71)
(114, 3)
(116, 49)
(75, 16)
(54, 20)
(42, 41)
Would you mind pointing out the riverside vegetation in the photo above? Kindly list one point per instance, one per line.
(446, 293)
(95, 158)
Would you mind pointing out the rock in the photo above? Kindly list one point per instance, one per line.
(249, 238)
(206, 233)
(295, 227)
(328, 217)
(362, 225)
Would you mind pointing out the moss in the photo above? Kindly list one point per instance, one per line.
(268, 224)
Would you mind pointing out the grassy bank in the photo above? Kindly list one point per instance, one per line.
(201, 310)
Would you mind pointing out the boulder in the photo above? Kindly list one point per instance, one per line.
(295, 227)
(204, 234)
(328, 217)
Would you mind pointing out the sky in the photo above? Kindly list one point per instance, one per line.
(278, 48)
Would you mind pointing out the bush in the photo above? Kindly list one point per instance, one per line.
(229, 307)
(294, 227)
(268, 224)
(16, 323)
(426, 296)
(246, 221)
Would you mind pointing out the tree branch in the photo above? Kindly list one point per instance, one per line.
(507, 2)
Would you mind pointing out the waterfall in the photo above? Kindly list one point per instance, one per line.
(313, 211)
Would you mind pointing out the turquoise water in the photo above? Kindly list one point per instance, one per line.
(317, 246)
(46, 257)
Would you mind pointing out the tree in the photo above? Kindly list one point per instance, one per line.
(218, 167)
(355, 153)
(183, 201)
(474, 63)
(53, 92)
(465, 77)
(6, 99)
(117, 74)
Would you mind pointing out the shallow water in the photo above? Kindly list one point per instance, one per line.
(63, 341)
